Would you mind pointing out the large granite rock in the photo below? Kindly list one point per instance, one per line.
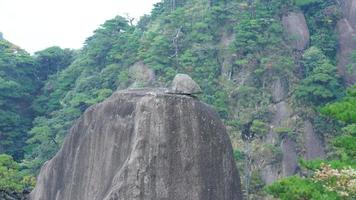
(183, 84)
(296, 30)
(347, 43)
(143, 145)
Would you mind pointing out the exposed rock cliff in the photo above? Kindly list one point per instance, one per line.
(142, 74)
(296, 29)
(348, 8)
(347, 43)
(143, 145)
(313, 144)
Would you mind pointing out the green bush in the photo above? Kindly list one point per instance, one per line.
(11, 178)
(303, 3)
(297, 188)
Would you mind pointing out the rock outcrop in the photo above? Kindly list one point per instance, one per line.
(313, 145)
(347, 43)
(143, 145)
(290, 157)
(142, 74)
(279, 90)
(296, 30)
(348, 8)
(183, 84)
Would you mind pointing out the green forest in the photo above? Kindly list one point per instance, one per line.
(267, 85)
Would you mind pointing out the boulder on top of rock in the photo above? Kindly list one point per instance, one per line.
(183, 84)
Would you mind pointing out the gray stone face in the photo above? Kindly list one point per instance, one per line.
(290, 157)
(143, 145)
(183, 84)
(313, 145)
(296, 30)
(348, 9)
(271, 172)
(347, 43)
(142, 74)
(279, 90)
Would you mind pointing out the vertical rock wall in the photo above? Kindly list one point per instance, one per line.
(347, 42)
(143, 145)
(296, 29)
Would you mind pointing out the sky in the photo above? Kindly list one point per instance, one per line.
(37, 24)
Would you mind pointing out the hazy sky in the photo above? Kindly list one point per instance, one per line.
(37, 24)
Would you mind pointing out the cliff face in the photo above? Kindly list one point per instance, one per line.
(296, 30)
(347, 44)
(143, 144)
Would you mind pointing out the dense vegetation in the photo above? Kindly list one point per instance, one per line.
(18, 83)
(21, 77)
(335, 177)
(235, 50)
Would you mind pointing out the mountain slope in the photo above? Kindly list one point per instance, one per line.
(266, 66)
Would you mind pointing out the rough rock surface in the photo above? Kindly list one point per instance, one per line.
(143, 145)
(348, 9)
(272, 172)
(226, 58)
(347, 43)
(313, 145)
(142, 74)
(282, 113)
(183, 84)
(279, 90)
(290, 157)
(296, 30)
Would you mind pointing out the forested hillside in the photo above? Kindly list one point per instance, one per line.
(279, 72)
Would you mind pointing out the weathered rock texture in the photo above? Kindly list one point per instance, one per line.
(296, 30)
(290, 157)
(142, 74)
(313, 145)
(143, 145)
(225, 57)
(348, 8)
(279, 90)
(347, 43)
(183, 84)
